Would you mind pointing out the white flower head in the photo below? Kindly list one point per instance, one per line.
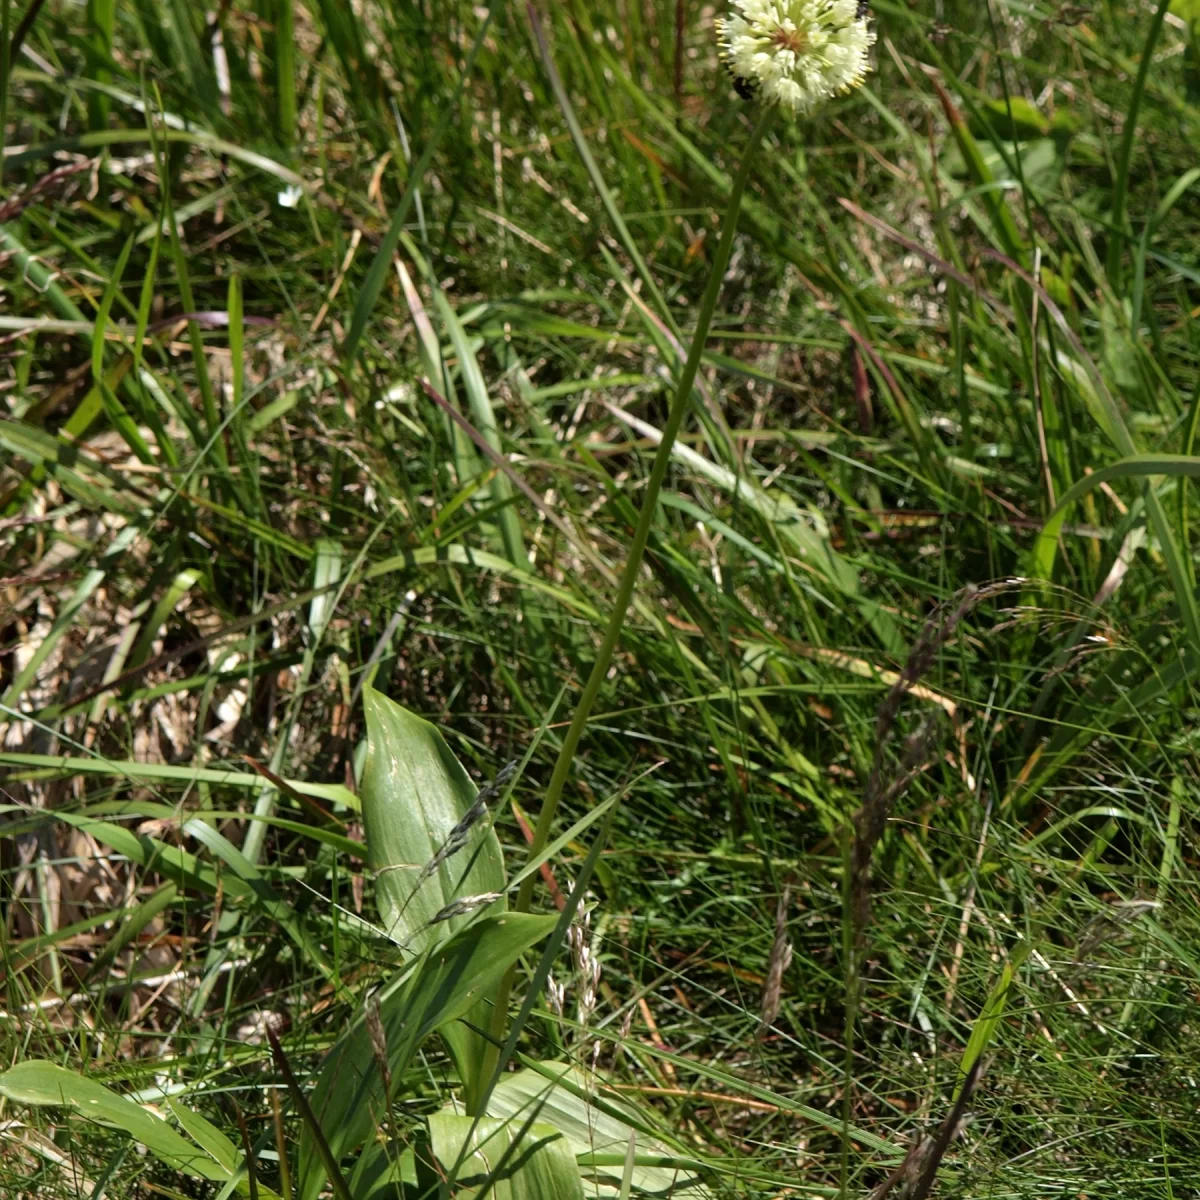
(797, 53)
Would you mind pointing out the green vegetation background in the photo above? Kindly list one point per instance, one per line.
(956, 346)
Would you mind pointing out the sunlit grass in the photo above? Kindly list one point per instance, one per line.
(217, 530)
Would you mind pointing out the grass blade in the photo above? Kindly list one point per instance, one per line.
(381, 264)
(1116, 244)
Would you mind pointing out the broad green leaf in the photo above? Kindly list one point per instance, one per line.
(1041, 162)
(349, 1099)
(1004, 227)
(1119, 352)
(43, 1084)
(326, 574)
(414, 792)
(594, 1127)
(266, 416)
(504, 1160)
(434, 365)
(383, 1172)
(180, 586)
(484, 419)
(992, 1014)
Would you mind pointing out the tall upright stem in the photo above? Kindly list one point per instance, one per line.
(633, 562)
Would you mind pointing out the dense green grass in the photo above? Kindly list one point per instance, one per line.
(955, 296)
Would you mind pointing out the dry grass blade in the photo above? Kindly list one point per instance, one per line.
(914, 1178)
(333, 1172)
(247, 1151)
(781, 958)
(881, 793)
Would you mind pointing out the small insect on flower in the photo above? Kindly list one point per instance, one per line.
(745, 88)
(796, 53)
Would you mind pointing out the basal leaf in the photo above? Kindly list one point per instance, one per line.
(504, 1160)
(594, 1128)
(414, 792)
(349, 1099)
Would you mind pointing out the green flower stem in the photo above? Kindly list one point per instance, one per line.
(633, 563)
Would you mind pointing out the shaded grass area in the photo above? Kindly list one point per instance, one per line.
(229, 504)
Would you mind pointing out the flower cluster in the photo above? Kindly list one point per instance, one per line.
(797, 53)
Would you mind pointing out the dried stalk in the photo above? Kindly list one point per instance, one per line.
(871, 819)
